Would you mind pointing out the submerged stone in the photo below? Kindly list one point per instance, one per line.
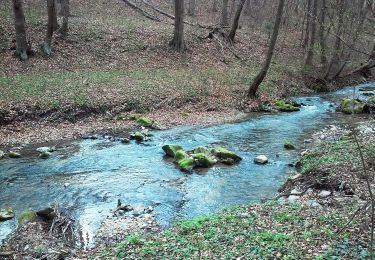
(139, 137)
(6, 214)
(187, 164)
(224, 154)
(348, 106)
(171, 149)
(203, 160)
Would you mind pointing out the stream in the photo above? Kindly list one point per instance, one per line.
(88, 176)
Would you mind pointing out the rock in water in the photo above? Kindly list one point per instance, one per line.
(171, 149)
(261, 159)
(224, 154)
(139, 137)
(26, 216)
(6, 214)
(13, 154)
(44, 155)
(203, 160)
(45, 149)
(287, 106)
(180, 155)
(47, 213)
(348, 105)
(187, 164)
(201, 149)
(289, 146)
(2, 154)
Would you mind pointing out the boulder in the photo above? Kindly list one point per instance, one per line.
(2, 154)
(287, 106)
(147, 122)
(6, 214)
(187, 164)
(371, 100)
(180, 155)
(261, 159)
(289, 146)
(46, 214)
(46, 149)
(171, 149)
(348, 104)
(125, 140)
(203, 160)
(13, 154)
(223, 154)
(44, 155)
(139, 137)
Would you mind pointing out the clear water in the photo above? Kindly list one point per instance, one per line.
(88, 176)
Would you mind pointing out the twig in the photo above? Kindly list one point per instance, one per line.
(352, 218)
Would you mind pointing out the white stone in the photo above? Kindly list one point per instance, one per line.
(293, 198)
(45, 149)
(324, 193)
(261, 159)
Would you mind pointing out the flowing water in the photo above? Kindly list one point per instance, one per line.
(89, 176)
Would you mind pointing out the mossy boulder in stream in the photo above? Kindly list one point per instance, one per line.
(180, 155)
(139, 137)
(289, 146)
(348, 106)
(371, 100)
(187, 164)
(287, 106)
(6, 214)
(147, 122)
(204, 160)
(171, 149)
(14, 155)
(26, 216)
(223, 155)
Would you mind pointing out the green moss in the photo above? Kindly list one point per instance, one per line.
(171, 149)
(6, 214)
(289, 146)
(144, 121)
(186, 164)
(371, 100)
(26, 216)
(139, 137)
(44, 155)
(348, 104)
(224, 154)
(180, 155)
(14, 154)
(203, 160)
(286, 106)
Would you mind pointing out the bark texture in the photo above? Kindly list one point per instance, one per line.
(178, 42)
(19, 22)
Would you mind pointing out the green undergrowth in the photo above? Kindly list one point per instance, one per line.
(332, 153)
(263, 231)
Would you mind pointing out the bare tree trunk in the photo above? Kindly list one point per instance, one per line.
(19, 22)
(214, 6)
(337, 46)
(310, 51)
(224, 13)
(178, 41)
(236, 19)
(322, 41)
(46, 46)
(55, 22)
(308, 24)
(263, 72)
(65, 12)
(191, 10)
(247, 7)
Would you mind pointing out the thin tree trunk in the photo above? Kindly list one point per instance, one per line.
(310, 51)
(236, 19)
(263, 72)
(224, 13)
(191, 10)
(65, 12)
(54, 15)
(308, 24)
(19, 22)
(214, 6)
(247, 7)
(46, 46)
(322, 41)
(178, 41)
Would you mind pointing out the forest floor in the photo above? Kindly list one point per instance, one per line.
(116, 62)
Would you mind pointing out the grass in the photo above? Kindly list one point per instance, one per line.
(258, 231)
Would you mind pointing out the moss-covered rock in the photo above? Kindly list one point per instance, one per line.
(145, 121)
(371, 100)
(289, 146)
(125, 141)
(224, 154)
(171, 149)
(187, 164)
(287, 106)
(6, 214)
(13, 154)
(26, 216)
(44, 155)
(204, 160)
(139, 137)
(202, 149)
(348, 104)
(180, 155)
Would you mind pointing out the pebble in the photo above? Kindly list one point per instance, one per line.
(324, 194)
(261, 159)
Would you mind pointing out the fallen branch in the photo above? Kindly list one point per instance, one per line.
(141, 11)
